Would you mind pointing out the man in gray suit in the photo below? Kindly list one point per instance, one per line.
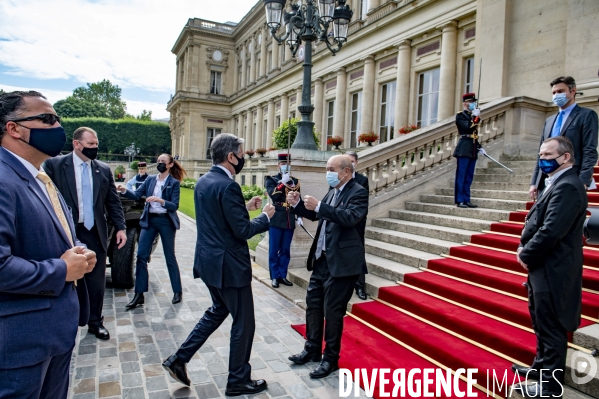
(577, 124)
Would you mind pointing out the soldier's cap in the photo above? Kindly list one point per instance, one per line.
(283, 157)
(469, 97)
(142, 165)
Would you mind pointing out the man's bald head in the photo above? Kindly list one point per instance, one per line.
(343, 166)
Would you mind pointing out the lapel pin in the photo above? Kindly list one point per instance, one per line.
(97, 171)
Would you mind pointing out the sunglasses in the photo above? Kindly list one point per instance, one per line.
(47, 119)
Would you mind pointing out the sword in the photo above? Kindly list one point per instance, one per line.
(307, 232)
(497, 162)
(289, 144)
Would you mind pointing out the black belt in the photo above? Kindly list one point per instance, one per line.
(159, 215)
(469, 136)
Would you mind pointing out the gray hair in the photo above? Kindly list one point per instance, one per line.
(352, 154)
(222, 145)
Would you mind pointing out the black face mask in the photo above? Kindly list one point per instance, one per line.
(161, 167)
(49, 141)
(239, 166)
(91, 153)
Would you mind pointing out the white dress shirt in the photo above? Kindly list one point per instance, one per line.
(338, 193)
(550, 179)
(77, 162)
(156, 207)
(34, 172)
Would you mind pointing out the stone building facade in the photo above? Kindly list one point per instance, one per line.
(405, 62)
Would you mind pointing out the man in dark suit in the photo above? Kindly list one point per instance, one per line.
(551, 250)
(362, 181)
(89, 190)
(577, 124)
(222, 261)
(40, 256)
(336, 259)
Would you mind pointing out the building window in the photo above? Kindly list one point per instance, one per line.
(292, 115)
(469, 75)
(282, 52)
(215, 82)
(356, 118)
(210, 135)
(363, 8)
(247, 74)
(277, 122)
(264, 134)
(387, 111)
(258, 62)
(428, 97)
(253, 180)
(243, 180)
(330, 118)
(269, 59)
(239, 82)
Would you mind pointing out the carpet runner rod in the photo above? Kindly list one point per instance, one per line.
(511, 221)
(514, 253)
(592, 352)
(422, 355)
(501, 269)
(500, 234)
(450, 332)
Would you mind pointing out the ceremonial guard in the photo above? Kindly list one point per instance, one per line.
(282, 224)
(467, 150)
(139, 178)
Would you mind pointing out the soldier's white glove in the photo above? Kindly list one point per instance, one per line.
(285, 178)
(481, 151)
(300, 221)
(476, 112)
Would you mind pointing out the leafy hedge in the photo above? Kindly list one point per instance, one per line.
(247, 191)
(280, 134)
(152, 138)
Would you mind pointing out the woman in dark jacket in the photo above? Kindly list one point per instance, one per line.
(159, 217)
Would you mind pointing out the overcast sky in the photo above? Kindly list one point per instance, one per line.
(55, 46)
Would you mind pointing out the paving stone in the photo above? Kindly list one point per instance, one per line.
(108, 352)
(156, 383)
(132, 380)
(86, 385)
(109, 375)
(85, 372)
(130, 367)
(275, 389)
(207, 391)
(134, 393)
(109, 389)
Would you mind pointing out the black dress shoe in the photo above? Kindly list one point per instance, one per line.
(100, 332)
(284, 281)
(304, 357)
(275, 283)
(361, 294)
(138, 299)
(462, 205)
(177, 297)
(324, 369)
(247, 388)
(176, 369)
(522, 372)
(534, 391)
(470, 205)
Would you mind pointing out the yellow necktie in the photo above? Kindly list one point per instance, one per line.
(53, 194)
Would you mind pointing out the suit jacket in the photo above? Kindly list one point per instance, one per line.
(222, 257)
(552, 245)
(282, 219)
(344, 239)
(467, 147)
(171, 192)
(33, 291)
(581, 128)
(106, 199)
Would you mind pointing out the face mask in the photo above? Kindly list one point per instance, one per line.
(472, 106)
(90, 153)
(333, 178)
(560, 99)
(549, 165)
(49, 141)
(239, 166)
(161, 167)
(284, 169)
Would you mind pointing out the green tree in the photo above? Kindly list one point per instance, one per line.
(2, 92)
(280, 134)
(145, 116)
(75, 108)
(105, 94)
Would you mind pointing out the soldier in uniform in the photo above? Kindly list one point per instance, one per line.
(466, 152)
(137, 180)
(282, 224)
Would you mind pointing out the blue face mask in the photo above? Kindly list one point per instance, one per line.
(560, 99)
(284, 169)
(472, 106)
(333, 178)
(549, 165)
(49, 141)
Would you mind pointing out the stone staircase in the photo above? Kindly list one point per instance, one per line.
(423, 230)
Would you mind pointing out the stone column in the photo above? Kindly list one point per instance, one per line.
(263, 55)
(195, 68)
(449, 43)
(284, 107)
(270, 123)
(188, 61)
(340, 94)
(368, 102)
(404, 59)
(249, 140)
(181, 70)
(178, 78)
(235, 72)
(253, 61)
(298, 101)
(276, 56)
(243, 66)
(259, 123)
(318, 105)
(287, 52)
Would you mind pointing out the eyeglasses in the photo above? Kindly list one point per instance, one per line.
(47, 119)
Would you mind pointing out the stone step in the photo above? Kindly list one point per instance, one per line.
(439, 219)
(490, 203)
(530, 165)
(387, 269)
(496, 194)
(408, 240)
(452, 210)
(423, 229)
(501, 178)
(502, 171)
(518, 158)
(498, 186)
(397, 253)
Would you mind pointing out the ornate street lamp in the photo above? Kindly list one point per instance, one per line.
(131, 151)
(309, 21)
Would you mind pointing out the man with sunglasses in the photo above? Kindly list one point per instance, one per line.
(89, 190)
(40, 256)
